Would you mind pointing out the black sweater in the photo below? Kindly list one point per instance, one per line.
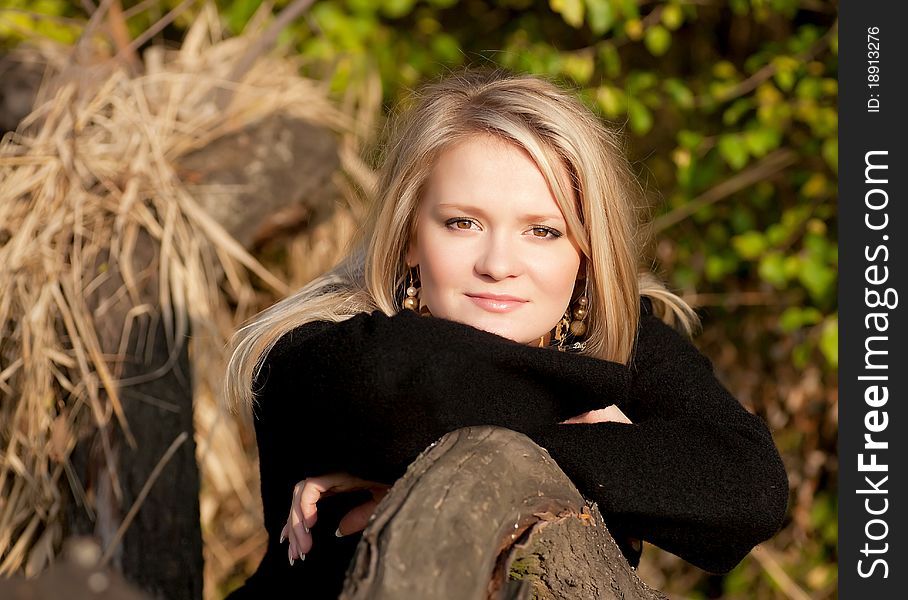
(695, 473)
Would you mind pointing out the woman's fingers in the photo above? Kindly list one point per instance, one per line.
(299, 528)
(304, 509)
(300, 542)
(357, 518)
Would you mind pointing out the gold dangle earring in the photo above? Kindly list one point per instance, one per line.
(411, 302)
(581, 310)
(572, 324)
(562, 328)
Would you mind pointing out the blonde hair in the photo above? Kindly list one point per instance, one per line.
(581, 159)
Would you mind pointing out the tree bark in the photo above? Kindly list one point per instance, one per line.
(486, 514)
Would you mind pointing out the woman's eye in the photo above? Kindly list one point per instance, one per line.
(546, 231)
(459, 223)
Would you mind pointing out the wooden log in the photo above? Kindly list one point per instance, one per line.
(486, 514)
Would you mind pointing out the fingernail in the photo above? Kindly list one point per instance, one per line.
(290, 556)
(338, 533)
(283, 537)
(306, 529)
(302, 556)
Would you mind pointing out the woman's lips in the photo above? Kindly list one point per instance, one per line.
(496, 305)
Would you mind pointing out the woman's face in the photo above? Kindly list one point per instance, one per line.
(492, 244)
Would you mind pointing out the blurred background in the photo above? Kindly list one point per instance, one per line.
(730, 116)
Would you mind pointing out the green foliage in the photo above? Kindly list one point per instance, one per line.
(26, 19)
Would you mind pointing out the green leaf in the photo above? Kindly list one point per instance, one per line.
(772, 270)
(760, 141)
(679, 92)
(446, 48)
(639, 81)
(749, 245)
(640, 117)
(830, 153)
(690, 139)
(796, 317)
(818, 278)
(785, 74)
(238, 14)
(815, 187)
(657, 40)
(611, 60)
(570, 10)
(724, 69)
(829, 340)
(599, 15)
(611, 100)
(396, 9)
(363, 6)
(718, 266)
(672, 16)
(742, 218)
(578, 67)
(737, 110)
(733, 150)
(629, 9)
(809, 88)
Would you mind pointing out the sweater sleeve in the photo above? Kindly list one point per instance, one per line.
(695, 474)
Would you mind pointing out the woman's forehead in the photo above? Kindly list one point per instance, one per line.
(487, 170)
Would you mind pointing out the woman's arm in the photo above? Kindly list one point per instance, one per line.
(696, 474)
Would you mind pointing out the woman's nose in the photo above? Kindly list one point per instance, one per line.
(500, 257)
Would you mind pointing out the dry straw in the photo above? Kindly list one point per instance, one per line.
(89, 174)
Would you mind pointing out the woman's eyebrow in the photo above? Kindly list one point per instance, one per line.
(477, 210)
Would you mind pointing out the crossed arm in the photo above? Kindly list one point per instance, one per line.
(696, 474)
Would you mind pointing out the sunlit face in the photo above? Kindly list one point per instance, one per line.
(491, 243)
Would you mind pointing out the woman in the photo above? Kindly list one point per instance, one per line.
(503, 231)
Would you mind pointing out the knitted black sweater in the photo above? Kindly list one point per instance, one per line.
(695, 474)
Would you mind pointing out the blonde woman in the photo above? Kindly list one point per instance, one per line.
(497, 281)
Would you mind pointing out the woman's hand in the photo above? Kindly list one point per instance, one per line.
(610, 413)
(303, 510)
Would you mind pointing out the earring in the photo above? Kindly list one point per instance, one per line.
(411, 302)
(578, 327)
(572, 324)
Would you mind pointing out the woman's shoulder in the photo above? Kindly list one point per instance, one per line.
(657, 341)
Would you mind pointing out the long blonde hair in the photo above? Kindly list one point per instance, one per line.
(580, 159)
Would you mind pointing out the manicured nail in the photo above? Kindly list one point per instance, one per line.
(290, 556)
(283, 537)
(306, 529)
(302, 556)
(338, 533)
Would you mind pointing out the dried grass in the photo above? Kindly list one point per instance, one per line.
(91, 171)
